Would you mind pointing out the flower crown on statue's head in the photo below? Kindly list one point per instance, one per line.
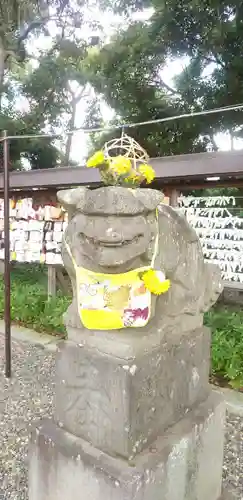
(122, 162)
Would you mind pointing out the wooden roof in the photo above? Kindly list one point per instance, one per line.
(183, 171)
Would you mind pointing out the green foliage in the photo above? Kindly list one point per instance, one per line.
(29, 303)
(47, 87)
(127, 71)
(29, 274)
(227, 344)
(41, 78)
(41, 153)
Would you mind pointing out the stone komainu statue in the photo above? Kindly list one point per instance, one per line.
(134, 416)
(116, 230)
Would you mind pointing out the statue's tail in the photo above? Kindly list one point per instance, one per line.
(213, 285)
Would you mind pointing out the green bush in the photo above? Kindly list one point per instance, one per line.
(29, 273)
(227, 344)
(30, 307)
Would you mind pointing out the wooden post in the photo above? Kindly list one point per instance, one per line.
(63, 280)
(51, 281)
(174, 195)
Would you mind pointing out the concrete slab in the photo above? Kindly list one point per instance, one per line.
(233, 400)
(228, 496)
(28, 335)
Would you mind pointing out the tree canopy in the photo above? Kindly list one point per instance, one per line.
(41, 77)
(128, 71)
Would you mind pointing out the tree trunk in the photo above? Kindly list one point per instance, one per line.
(231, 142)
(2, 69)
(71, 125)
(74, 102)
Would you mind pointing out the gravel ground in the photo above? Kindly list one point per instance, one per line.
(233, 461)
(28, 396)
(25, 397)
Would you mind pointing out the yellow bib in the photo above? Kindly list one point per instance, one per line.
(109, 302)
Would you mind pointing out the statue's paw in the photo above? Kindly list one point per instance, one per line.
(71, 317)
(213, 286)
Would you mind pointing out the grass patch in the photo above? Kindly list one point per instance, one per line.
(226, 324)
(31, 308)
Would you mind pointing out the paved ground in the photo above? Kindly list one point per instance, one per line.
(28, 396)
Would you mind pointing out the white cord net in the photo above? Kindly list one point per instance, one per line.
(126, 146)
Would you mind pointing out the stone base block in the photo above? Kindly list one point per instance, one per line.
(184, 464)
(227, 496)
(120, 404)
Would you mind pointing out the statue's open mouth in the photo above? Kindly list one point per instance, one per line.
(110, 244)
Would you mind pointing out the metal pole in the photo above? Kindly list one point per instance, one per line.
(7, 276)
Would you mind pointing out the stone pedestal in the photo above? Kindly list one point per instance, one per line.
(184, 463)
(142, 425)
(120, 402)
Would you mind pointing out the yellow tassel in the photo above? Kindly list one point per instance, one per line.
(155, 282)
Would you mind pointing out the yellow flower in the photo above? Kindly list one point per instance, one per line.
(155, 282)
(147, 172)
(120, 165)
(97, 159)
(133, 177)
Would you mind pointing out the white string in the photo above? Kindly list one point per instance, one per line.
(220, 232)
(237, 107)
